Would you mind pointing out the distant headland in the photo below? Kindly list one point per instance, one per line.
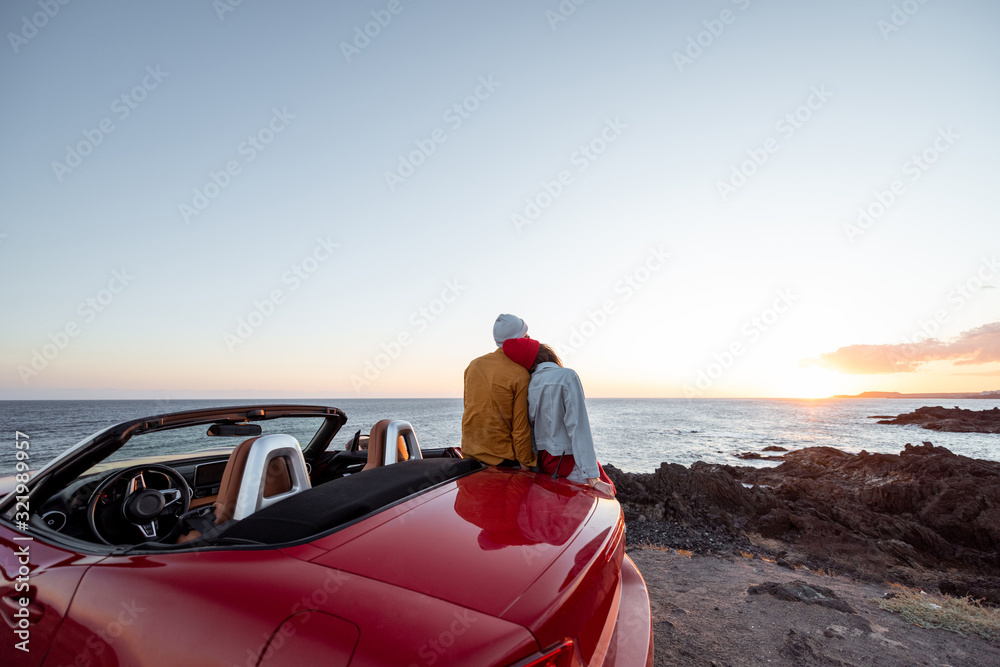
(995, 394)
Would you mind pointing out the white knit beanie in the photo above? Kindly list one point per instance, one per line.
(508, 326)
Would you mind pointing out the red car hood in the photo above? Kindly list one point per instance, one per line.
(478, 542)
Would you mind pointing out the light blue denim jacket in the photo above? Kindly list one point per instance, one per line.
(558, 416)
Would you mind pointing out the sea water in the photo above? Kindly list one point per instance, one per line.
(633, 434)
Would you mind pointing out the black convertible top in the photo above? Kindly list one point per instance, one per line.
(343, 500)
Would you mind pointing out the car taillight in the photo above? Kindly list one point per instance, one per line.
(561, 655)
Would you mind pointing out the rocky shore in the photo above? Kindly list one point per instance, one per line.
(925, 517)
(945, 419)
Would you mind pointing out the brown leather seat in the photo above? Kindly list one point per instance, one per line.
(377, 444)
(277, 481)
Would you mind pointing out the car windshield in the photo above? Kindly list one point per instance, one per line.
(160, 446)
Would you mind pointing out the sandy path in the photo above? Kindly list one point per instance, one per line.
(703, 615)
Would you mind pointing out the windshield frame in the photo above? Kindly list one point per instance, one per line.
(95, 449)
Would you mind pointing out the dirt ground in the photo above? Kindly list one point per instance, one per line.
(703, 615)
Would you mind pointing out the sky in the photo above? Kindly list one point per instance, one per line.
(732, 198)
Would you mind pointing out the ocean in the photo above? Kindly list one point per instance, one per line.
(635, 435)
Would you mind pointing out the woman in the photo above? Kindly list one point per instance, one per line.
(560, 429)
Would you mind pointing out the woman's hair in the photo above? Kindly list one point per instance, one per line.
(545, 353)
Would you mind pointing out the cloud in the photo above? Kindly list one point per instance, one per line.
(976, 346)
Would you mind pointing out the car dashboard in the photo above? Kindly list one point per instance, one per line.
(66, 511)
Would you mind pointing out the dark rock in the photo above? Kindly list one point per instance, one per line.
(800, 591)
(774, 448)
(983, 588)
(702, 496)
(944, 419)
(859, 622)
(754, 456)
(797, 647)
(922, 517)
(776, 523)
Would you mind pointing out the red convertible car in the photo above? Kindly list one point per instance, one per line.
(157, 542)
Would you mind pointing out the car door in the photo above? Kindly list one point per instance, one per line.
(37, 583)
(182, 608)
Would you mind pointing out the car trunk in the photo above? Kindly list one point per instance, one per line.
(519, 546)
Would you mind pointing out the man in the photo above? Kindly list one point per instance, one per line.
(495, 427)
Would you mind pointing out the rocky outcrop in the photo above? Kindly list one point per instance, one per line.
(800, 591)
(956, 419)
(755, 456)
(702, 496)
(924, 513)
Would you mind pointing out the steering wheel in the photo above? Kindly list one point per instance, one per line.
(125, 504)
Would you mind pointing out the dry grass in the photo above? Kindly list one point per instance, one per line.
(964, 615)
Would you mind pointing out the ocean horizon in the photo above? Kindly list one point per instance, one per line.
(635, 435)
